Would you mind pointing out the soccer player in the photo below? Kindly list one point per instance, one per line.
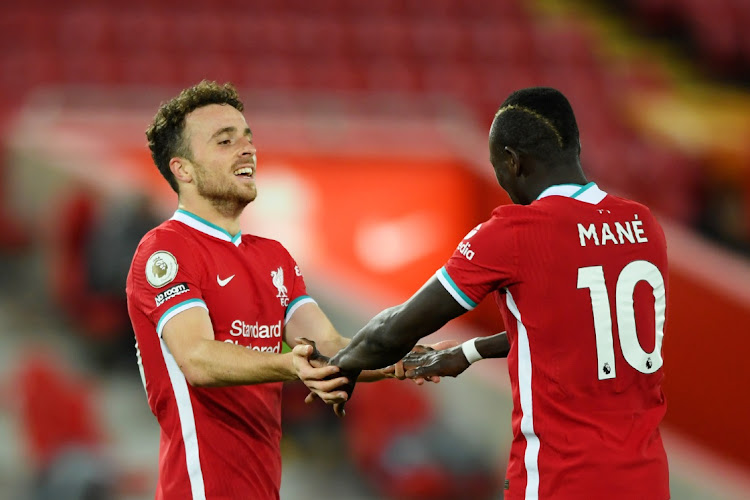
(580, 277)
(210, 307)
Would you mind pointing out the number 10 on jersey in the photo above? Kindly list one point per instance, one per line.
(593, 279)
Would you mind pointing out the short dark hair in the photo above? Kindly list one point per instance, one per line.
(165, 134)
(538, 121)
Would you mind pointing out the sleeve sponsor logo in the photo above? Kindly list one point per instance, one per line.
(161, 268)
(171, 293)
(464, 248)
(472, 232)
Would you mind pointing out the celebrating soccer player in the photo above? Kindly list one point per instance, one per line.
(210, 307)
(580, 277)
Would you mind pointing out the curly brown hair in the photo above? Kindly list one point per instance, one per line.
(165, 134)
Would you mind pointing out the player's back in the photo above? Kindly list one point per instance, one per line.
(585, 317)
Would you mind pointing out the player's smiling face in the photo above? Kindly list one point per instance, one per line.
(223, 154)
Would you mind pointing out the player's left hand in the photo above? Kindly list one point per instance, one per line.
(449, 362)
(324, 381)
(316, 358)
(398, 371)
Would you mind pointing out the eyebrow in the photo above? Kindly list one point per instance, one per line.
(229, 130)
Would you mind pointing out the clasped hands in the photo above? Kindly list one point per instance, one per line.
(327, 382)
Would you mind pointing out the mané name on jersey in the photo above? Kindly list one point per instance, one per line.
(580, 278)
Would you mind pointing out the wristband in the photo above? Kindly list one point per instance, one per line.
(470, 351)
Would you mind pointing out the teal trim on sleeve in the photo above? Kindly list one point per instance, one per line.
(455, 287)
(168, 312)
(301, 297)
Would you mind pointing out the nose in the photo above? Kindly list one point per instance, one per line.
(248, 148)
(248, 152)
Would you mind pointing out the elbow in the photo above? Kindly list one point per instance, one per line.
(196, 376)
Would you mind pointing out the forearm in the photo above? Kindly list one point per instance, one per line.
(494, 346)
(213, 364)
(384, 340)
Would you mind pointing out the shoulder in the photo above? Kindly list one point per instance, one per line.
(638, 209)
(506, 216)
(264, 244)
(167, 235)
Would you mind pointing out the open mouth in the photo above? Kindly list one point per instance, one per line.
(246, 172)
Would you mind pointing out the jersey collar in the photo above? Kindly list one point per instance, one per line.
(206, 227)
(590, 193)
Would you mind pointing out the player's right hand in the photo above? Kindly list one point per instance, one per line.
(321, 380)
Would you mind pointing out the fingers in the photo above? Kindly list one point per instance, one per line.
(311, 396)
(303, 340)
(314, 354)
(310, 372)
(445, 344)
(331, 398)
(302, 350)
(398, 370)
(420, 372)
(321, 386)
(413, 360)
(339, 410)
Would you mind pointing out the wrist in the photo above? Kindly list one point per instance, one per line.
(469, 349)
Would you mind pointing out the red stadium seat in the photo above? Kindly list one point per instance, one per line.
(563, 43)
(149, 68)
(192, 70)
(89, 66)
(26, 27)
(390, 75)
(84, 29)
(195, 31)
(716, 33)
(259, 72)
(503, 41)
(318, 37)
(140, 31)
(379, 37)
(434, 10)
(22, 68)
(438, 40)
(368, 10)
(325, 73)
(458, 80)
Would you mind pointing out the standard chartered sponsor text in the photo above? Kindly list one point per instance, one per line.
(256, 331)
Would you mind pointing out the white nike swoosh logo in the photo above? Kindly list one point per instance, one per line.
(223, 282)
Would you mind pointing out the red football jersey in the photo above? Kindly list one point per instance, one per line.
(580, 277)
(217, 442)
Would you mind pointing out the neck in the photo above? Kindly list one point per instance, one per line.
(226, 215)
(560, 174)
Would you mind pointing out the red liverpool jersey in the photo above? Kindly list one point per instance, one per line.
(217, 442)
(580, 277)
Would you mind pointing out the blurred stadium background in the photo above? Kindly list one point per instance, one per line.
(371, 119)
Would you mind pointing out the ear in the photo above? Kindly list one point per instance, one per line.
(181, 169)
(514, 161)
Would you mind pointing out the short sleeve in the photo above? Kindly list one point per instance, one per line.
(297, 289)
(484, 261)
(165, 278)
